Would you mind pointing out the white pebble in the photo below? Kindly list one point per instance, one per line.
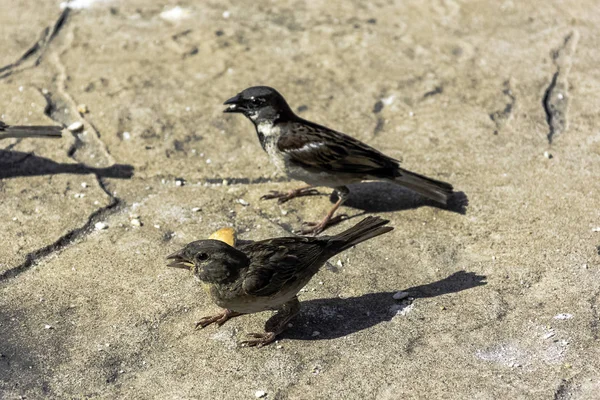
(21, 87)
(243, 202)
(208, 160)
(48, 326)
(400, 295)
(284, 212)
(596, 229)
(547, 155)
(75, 126)
(136, 222)
(226, 14)
(196, 209)
(100, 226)
(339, 263)
(84, 185)
(157, 226)
(79, 195)
(559, 96)
(126, 135)
(549, 335)
(175, 14)
(179, 182)
(563, 316)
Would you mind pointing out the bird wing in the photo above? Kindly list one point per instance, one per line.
(318, 147)
(277, 262)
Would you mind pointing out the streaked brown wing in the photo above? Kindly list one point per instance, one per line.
(314, 146)
(278, 262)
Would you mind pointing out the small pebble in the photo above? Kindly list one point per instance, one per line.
(547, 155)
(226, 14)
(100, 226)
(126, 135)
(196, 209)
(339, 263)
(48, 326)
(225, 182)
(82, 109)
(84, 185)
(157, 226)
(179, 182)
(79, 195)
(136, 222)
(596, 229)
(400, 295)
(559, 96)
(563, 316)
(549, 335)
(75, 126)
(243, 202)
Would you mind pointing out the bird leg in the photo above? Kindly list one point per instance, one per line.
(275, 325)
(219, 319)
(329, 220)
(285, 196)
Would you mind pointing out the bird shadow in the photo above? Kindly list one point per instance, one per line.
(335, 317)
(374, 197)
(19, 164)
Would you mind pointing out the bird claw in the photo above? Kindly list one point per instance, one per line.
(317, 227)
(283, 197)
(219, 319)
(260, 339)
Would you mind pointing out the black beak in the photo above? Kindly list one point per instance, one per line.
(179, 261)
(234, 104)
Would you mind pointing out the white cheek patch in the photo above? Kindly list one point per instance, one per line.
(253, 115)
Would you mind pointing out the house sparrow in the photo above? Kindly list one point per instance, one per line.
(320, 156)
(265, 275)
(9, 131)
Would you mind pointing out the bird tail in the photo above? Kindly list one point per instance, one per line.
(31, 131)
(430, 188)
(366, 229)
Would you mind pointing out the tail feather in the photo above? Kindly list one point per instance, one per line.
(7, 131)
(366, 229)
(430, 188)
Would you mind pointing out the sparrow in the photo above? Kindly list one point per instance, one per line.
(10, 131)
(265, 275)
(320, 156)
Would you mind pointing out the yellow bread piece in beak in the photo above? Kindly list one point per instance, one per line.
(226, 235)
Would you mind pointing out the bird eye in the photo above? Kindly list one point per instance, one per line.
(202, 257)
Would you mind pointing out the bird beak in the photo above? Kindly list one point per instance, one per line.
(179, 261)
(234, 104)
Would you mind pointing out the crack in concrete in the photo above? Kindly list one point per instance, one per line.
(501, 117)
(39, 47)
(35, 256)
(556, 95)
(54, 103)
(594, 321)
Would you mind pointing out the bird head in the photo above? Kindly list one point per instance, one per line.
(210, 261)
(259, 103)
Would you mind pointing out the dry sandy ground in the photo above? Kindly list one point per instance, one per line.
(504, 298)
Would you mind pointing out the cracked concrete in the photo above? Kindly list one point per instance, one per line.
(503, 299)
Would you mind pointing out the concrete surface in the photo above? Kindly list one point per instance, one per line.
(505, 297)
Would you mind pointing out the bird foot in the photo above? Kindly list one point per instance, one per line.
(314, 228)
(285, 196)
(260, 339)
(219, 319)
